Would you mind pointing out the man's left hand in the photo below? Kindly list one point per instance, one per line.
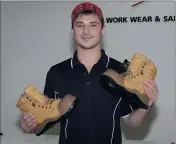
(151, 91)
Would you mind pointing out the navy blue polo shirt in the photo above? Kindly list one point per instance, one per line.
(96, 118)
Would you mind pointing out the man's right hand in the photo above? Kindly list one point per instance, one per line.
(28, 123)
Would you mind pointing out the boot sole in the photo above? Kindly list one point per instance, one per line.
(64, 113)
(113, 87)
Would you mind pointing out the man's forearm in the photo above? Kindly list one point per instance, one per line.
(137, 117)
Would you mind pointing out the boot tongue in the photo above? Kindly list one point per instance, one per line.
(32, 92)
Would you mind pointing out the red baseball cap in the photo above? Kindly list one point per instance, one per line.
(86, 6)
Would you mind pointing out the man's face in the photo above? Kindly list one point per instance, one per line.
(87, 31)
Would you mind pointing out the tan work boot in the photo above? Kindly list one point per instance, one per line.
(139, 70)
(43, 108)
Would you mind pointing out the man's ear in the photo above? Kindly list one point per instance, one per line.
(72, 31)
(103, 30)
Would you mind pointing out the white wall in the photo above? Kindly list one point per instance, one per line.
(36, 35)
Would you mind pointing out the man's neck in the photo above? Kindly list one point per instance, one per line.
(89, 57)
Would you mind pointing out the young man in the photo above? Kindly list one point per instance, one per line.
(96, 118)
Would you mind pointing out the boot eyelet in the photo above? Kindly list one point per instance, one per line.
(142, 73)
(33, 104)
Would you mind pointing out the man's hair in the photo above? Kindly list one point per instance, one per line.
(89, 12)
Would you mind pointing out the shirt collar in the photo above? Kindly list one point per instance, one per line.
(104, 59)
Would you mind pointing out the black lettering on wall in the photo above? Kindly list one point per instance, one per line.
(169, 18)
(116, 20)
(141, 19)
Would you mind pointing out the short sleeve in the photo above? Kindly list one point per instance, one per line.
(125, 107)
(49, 91)
(49, 84)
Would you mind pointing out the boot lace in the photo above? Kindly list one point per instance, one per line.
(46, 105)
(129, 74)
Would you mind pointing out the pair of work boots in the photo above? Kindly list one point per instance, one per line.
(46, 110)
(130, 83)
